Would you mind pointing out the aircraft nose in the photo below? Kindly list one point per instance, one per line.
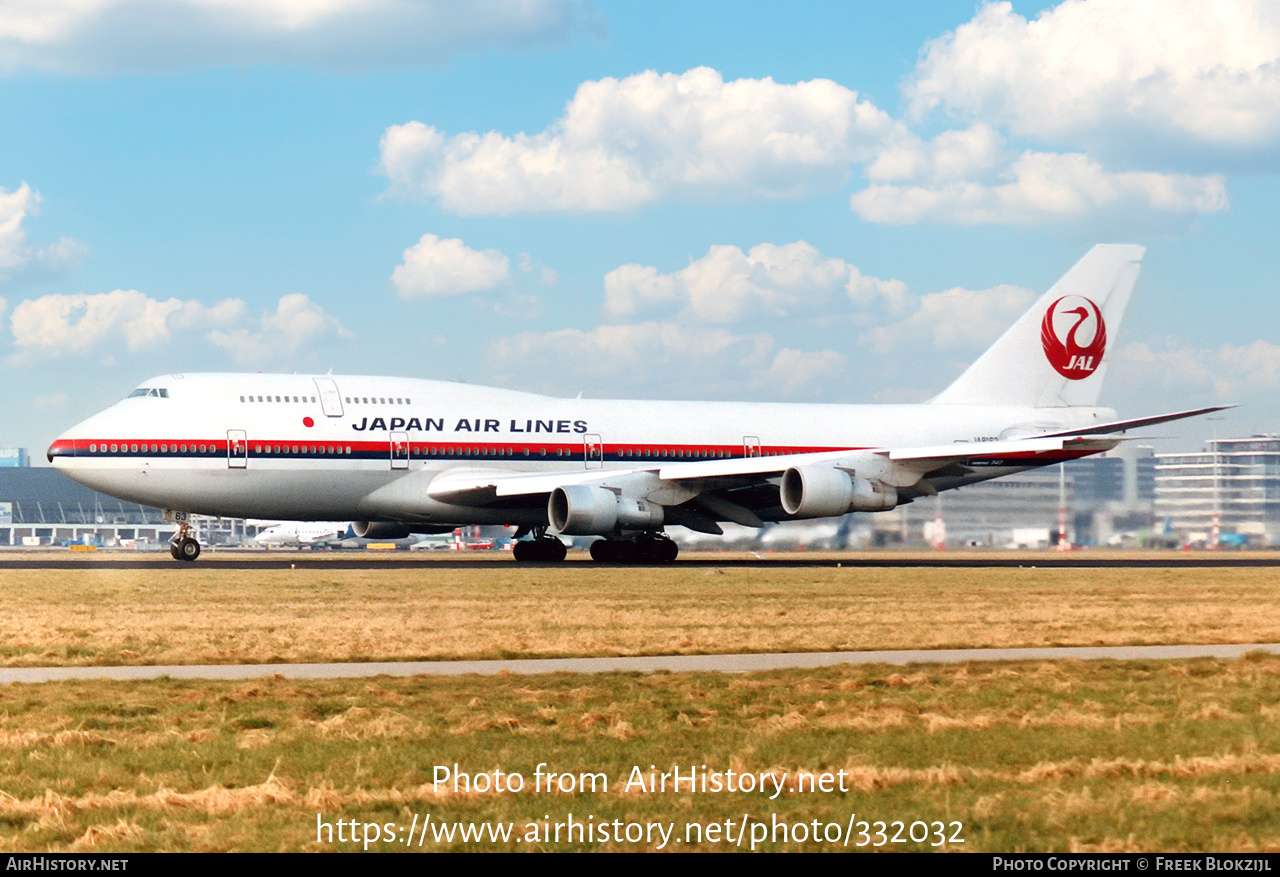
(61, 447)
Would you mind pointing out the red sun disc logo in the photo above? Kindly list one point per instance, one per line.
(1079, 354)
(308, 422)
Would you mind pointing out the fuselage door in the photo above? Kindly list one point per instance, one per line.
(237, 449)
(330, 398)
(593, 451)
(751, 446)
(399, 450)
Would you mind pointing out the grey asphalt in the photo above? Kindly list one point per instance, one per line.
(660, 663)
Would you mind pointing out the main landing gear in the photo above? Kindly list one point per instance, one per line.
(183, 546)
(646, 548)
(541, 549)
(649, 548)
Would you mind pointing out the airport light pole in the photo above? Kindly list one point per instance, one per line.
(1063, 544)
(1215, 531)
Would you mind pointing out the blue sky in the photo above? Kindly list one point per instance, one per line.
(814, 202)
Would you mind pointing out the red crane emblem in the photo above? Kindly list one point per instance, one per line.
(1070, 358)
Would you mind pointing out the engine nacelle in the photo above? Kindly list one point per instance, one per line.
(586, 510)
(824, 491)
(380, 530)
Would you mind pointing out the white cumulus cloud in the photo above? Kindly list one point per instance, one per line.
(16, 253)
(728, 285)
(63, 325)
(107, 36)
(438, 267)
(626, 142)
(55, 325)
(1204, 74)
(967, 153)
(1041, 187)
(297, 323)
(54, 400)
(656, 357)
(1231, 373)
(955, 318)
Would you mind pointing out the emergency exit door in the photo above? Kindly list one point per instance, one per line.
(593, 451)
(237, 449)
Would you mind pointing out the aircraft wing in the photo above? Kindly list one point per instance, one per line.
(459, 485)
(695, 476)
(736, 488)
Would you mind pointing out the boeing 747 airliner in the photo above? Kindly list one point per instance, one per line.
(399, 456)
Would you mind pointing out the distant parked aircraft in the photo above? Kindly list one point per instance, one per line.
(301, 534)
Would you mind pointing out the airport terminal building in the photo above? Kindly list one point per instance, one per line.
(41, 506)
(1236, 479)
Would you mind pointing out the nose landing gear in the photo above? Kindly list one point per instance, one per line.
(183, 546)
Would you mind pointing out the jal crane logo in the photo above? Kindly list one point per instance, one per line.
(1079, 354)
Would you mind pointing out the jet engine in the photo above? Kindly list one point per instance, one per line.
(586, 510)
(380, 530)
(824, 491)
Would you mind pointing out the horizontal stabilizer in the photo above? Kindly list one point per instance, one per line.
(1136, 423)
(1028, 448)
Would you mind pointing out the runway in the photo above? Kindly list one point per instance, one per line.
(237, 560)
(743, 663)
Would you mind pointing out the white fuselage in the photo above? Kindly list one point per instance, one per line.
(301, 447)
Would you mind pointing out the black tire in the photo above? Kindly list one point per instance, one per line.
(602, 551)
(173, 551)
(556, 550)
(540, 551)
(188, 550)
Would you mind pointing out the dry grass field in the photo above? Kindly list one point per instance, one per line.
(1178, 755)
(488, 610)
(1163, 756)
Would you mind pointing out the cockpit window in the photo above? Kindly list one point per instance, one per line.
(150, 391)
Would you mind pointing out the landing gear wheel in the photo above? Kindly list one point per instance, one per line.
(603, 551)
(615, 551)
(546, 549)
(643, 549)
(183, 546)
(187, 549)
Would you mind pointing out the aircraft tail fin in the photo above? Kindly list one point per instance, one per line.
(1056, 354)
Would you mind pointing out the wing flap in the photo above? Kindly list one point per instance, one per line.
(902, 467)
